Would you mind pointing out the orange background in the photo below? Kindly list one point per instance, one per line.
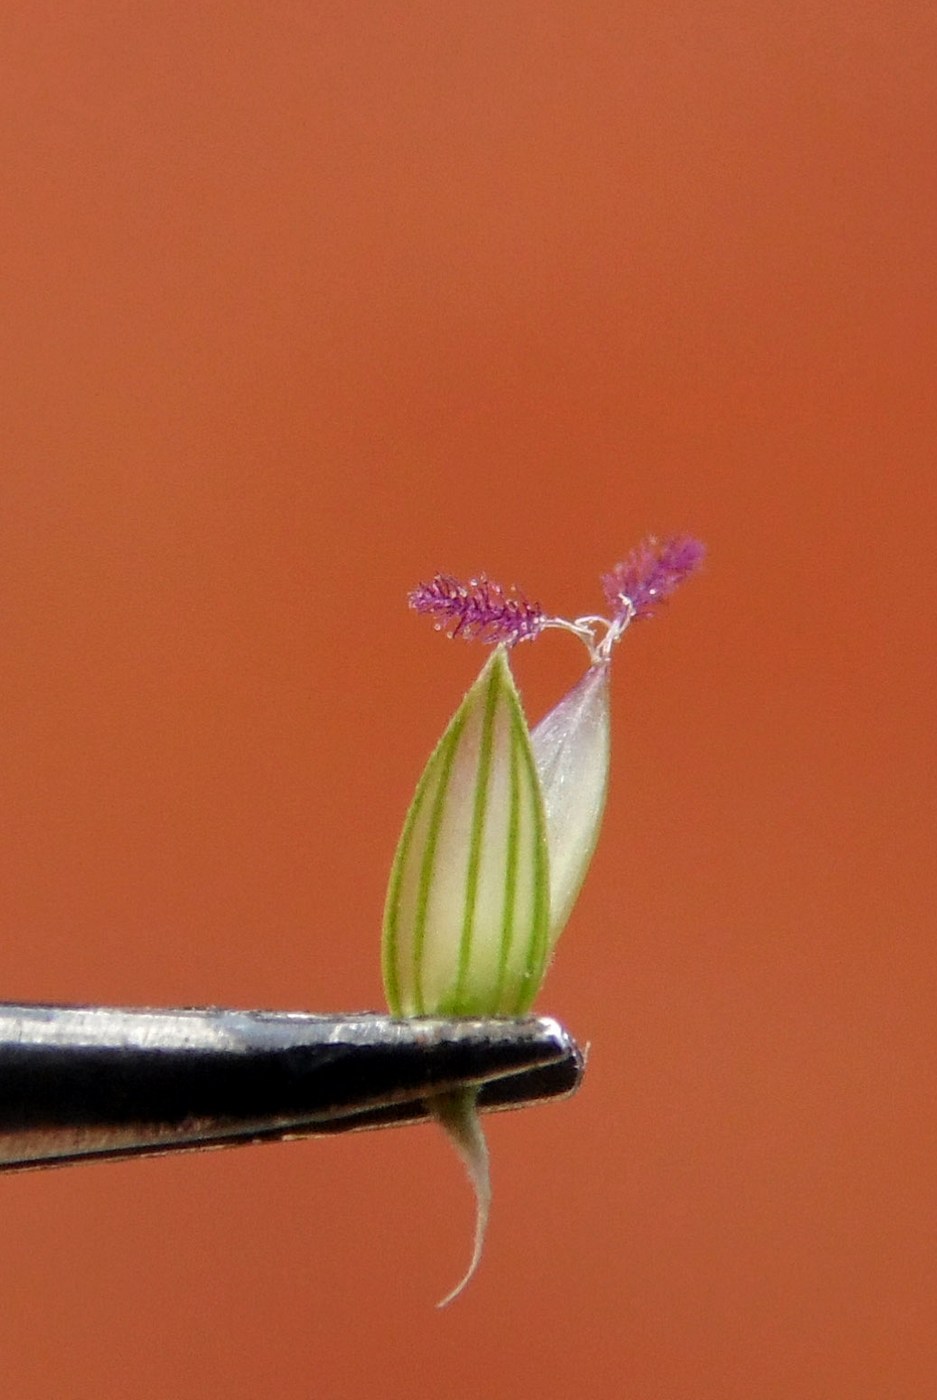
(303, 302)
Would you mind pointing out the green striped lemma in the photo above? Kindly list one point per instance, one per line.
(466, 925)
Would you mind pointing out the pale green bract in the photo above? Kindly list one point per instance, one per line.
(571, 751)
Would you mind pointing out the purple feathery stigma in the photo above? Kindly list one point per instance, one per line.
(480, 610)
(650, 573)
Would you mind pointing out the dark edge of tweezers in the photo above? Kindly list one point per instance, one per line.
(84, 1083)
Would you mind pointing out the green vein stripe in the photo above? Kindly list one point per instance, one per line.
(446, 756)
(536, 948)
(482, 774)
(391, 963)
(510, 873)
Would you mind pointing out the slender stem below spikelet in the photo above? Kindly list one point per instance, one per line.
(457, 1115)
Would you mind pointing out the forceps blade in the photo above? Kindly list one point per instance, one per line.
(79, 1083)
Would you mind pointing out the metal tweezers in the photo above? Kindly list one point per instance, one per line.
(80, 1083)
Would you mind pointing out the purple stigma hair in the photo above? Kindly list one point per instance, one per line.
(650, 573)
(480, 610)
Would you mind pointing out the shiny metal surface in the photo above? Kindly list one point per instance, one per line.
(85, 1082)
